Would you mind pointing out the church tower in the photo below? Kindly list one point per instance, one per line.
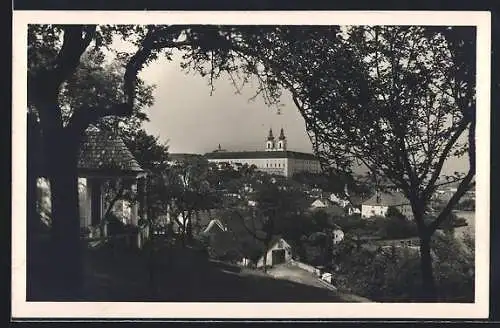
(270, 146)
(282, 141)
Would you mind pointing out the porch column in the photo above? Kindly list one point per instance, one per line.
(95, 201)
(142, 210)
(142, 193)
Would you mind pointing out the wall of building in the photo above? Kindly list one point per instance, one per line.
(122, 208)
(300, 165)
(406, 211)
(269, 165)
(84, 202)
(269, 255)
(381, 210)
(373, 210)
(282, 166)
(44, 203)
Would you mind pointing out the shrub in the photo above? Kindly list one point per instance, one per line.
(398, 227)
(116, 227)
(393, 275)
(467, 205)
(394, 212)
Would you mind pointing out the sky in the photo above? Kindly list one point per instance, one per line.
(191, 120)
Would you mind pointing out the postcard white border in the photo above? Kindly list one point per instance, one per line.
(131, 310)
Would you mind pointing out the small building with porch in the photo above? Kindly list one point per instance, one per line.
(104, 160)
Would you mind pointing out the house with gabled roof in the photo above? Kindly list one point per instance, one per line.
(102, 156)
(279, 252)
(214, 226)
(327, 206)
(379, 204)
(321, 203)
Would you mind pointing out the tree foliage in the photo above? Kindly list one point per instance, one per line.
(393, 274)
(399, 99)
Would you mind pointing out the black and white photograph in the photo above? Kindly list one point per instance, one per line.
(245, 164)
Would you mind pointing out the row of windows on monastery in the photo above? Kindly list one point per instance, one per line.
(276, 164)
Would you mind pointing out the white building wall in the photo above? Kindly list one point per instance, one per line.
(123, 208)
(84, 201)
(373, 210)
(45, 203)
(270, 165)
(283, 166)
(269, 256)
(381, 210)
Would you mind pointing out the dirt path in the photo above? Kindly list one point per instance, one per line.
(296, 274)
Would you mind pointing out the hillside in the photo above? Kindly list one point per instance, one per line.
(185, 275)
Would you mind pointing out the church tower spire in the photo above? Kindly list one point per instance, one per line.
(270, 137)
(282, 135)
(282, 141)
(270, 143)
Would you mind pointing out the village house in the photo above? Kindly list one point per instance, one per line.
(352, 210)
(214, 227)
(321, 203)
(336, 199)
(327, 206)
(103, 157)
(279, 252)
(379, 204)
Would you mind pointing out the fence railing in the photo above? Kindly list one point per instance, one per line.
(307, 267)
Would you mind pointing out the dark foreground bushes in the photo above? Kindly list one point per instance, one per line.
(392, 274)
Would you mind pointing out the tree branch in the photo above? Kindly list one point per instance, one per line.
(463, 186)
(83, 117)
(444, 155)
(76, 40)
(135, 64)
(118, 195)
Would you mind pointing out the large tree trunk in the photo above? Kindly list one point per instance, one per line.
(67, 265)
(429, 292)
(32, 219)
(266, 249)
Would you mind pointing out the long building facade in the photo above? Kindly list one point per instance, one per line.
(274, 159)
